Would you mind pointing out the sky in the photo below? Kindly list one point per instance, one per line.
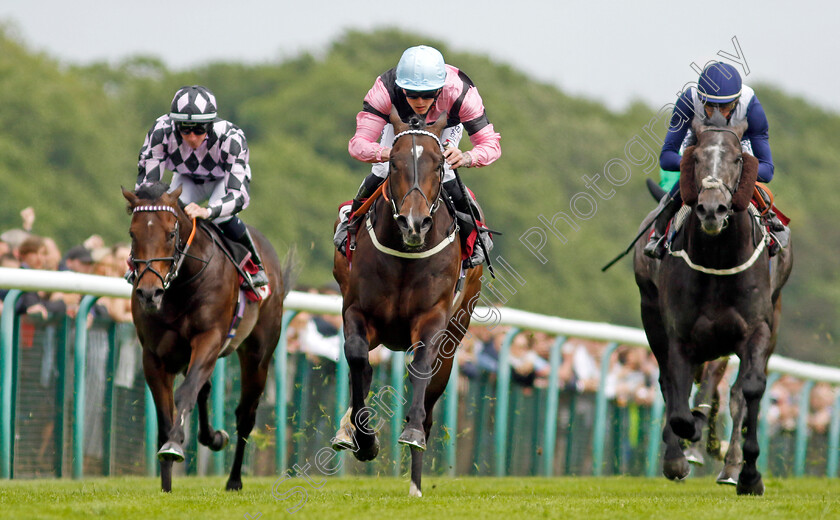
(612, 52)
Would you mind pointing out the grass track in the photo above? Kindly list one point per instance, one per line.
(511, 498)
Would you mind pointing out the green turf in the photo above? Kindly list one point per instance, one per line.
(509, 498)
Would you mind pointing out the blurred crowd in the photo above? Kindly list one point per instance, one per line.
(24, 248)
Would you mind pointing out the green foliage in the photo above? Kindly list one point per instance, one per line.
(69, 138)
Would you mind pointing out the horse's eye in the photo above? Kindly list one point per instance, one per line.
(172, 235)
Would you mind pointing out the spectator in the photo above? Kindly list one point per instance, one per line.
(580, 370)
(523, 360)
(821, 404)
(78, 260)
(14, 238)
(784, 409)
(628, 379)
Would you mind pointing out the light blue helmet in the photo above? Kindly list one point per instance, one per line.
(421, 68)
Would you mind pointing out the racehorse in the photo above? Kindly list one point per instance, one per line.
(717, 292)
(402, 291)
(183, 303)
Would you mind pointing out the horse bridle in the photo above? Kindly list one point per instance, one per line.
(716, 183)
(433, 206)
(177, 258)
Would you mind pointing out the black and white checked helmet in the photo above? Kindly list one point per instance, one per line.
(195, 104)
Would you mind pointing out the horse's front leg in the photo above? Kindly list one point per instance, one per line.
(753, 381)
(680, 371)
(356, 349)
(705, 409)
(204, 353)
(734, 458)
(160, 384)
(426, 334)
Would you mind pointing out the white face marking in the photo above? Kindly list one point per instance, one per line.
(716, 152)
(418, 151)
(149, 223)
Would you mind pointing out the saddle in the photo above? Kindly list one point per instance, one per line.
(240, 257)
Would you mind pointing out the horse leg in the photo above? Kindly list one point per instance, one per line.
(681, 376)
(160, 384)
(675, 465)
(704, 409)
(753, 371)
(203, 359)
(734, 458)
(216, 440)
(254, 370)
(433, 393)
(420, 374)
(356, 348)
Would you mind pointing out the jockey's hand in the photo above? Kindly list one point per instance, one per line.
(456, 158)
(193, 210)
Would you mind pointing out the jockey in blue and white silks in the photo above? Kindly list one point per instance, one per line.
(719, 87)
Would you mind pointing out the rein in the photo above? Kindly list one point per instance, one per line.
(178, 256)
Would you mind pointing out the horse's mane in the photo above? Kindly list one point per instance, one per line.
(716, 120)
(155, 191)
(416, 122)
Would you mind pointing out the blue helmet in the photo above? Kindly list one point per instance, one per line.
(719, 83)
(193, 104)
(421, 68)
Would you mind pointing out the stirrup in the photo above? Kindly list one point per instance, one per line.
(260, 278)
(655, 247)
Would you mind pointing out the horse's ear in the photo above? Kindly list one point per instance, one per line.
(174, 194)
(746, 184)
(688, 188)
(399, 126)
(129, 196)
(439, 125)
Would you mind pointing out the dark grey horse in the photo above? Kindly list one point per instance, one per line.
(716, 293)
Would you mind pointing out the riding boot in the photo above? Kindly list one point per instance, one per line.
(462, 206)
(655, 247)
(236, 230)
(366, 189)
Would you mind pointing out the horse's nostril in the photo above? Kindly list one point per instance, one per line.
(426, 224)
(722, 209)
(402, 222)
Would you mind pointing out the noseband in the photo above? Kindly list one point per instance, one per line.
(432, 206)
(177, 258)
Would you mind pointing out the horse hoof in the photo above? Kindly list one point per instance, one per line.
(755, 489)
(343, 440)
(233, 485)
(729, 475)
(370, 453)
(413, 438)
(171, 452)
(676, 469)
(694, 456)
(414, 491)
(223, 440)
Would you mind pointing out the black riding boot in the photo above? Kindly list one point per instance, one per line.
(367, 188)
(655, 248)
(236, 230)
(462, 210)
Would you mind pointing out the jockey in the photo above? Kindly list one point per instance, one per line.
(209, 160)
(719, 88)
(423, 84)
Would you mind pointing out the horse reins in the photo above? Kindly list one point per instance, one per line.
(177, 258)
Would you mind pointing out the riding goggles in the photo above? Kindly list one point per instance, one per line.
(425, 94)
(193, 128)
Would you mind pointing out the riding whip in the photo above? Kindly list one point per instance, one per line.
(633, 243)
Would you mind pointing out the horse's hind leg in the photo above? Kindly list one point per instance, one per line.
(254, 369)
(216, 440)
(160, 384)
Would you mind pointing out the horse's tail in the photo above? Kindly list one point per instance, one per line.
(290, 270)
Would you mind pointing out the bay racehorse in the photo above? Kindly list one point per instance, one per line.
(715, 293)
(403, 291)
(184, 302)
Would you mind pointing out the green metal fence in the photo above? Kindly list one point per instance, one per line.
(74, 403)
